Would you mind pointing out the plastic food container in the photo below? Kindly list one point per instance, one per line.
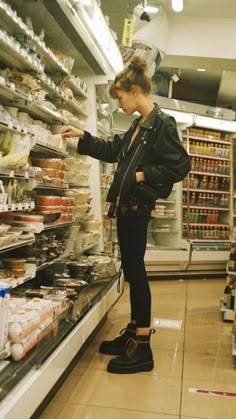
(45, 200)
(48, 163)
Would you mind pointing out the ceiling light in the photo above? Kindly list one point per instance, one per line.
(177, 5)
(201, 69)
(151, 9)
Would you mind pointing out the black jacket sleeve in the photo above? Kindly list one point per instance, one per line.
(104, 150)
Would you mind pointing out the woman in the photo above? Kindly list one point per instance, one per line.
(150, 160)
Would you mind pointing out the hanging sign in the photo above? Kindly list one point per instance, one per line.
(128, 31)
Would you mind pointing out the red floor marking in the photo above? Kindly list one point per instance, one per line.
(212, 392)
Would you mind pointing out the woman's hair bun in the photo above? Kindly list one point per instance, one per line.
(138, 64)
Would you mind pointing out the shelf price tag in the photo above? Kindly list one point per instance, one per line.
(127, 37)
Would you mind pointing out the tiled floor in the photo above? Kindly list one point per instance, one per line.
(196, 356)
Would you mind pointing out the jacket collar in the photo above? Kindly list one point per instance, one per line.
(149, 121)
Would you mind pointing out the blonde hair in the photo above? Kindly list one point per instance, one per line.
(135, 73)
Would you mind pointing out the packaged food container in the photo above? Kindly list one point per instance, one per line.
(45, 200)
(48, 163)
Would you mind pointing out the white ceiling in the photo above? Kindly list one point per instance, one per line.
(212, 87)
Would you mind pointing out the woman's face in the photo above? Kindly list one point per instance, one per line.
(126, 101)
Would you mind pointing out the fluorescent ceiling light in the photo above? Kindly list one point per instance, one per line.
(201, 69)
(151, 9)
(177, 5)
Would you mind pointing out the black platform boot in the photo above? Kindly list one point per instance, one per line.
(117, 346)
(138, 357)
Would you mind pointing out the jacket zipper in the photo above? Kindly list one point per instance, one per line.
(121, 186)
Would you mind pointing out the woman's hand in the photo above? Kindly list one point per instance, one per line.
(69, 131)
(139, 177)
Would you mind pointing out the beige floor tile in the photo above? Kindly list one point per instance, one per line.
(141, 392)
(217, 367)
(207, 406)
(169, 339)
(208, 339)
(79, 411)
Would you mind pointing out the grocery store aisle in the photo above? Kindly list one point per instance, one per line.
(192, 353)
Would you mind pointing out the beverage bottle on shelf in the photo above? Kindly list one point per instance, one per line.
(196, 182)
(192, 147)
(216, 184)
(214, 166)
(222, 233)
(193, 163)
(191, 181)
(196, 216)
(214, 217)
(185, 232)
(200, 232)
(204, 183)
(209, 217)
(216, 199)
(211, 183)
(199, 200)
(209, 166)
(227, 184)
(212, 200)
(193, 199)
(228, 168)
(212, 149)
(205, 216)
(226, 152)
(201, 216)
(191, 232)
(227, 233)
(204, 199)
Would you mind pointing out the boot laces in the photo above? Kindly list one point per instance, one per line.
(131, 345)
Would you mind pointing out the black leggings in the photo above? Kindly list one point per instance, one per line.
(132, 236)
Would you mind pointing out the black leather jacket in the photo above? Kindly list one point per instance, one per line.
(157, 151)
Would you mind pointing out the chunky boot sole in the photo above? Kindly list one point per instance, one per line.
(128, 369)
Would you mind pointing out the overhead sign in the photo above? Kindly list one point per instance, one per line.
(128, 31)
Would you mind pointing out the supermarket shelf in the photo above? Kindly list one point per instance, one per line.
(211, 191)
(17, 57)
(19, 206)
(233, 345)
(206, 224)
(52, 89)
(17, 173)
(196, 172)
(227, 313)
(75, 107)
(206, 207)
(163, 231)
(16, 245)
(30, 274)
(165, 217)
(59, 225)
(41, 148)
(207, 156)
(207, 140)
(76, 89)
(48, 186)
(39, 110)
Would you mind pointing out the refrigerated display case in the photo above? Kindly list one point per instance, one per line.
(177, 243)
(48, 88)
